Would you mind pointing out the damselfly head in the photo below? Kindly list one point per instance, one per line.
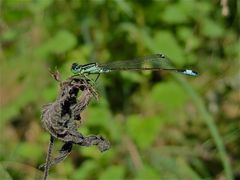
(161, 55)
(75, 68)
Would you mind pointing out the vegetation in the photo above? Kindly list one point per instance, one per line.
(160, 125)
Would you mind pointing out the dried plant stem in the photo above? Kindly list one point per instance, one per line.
(50, 145)
(62, 118)
(134, 154)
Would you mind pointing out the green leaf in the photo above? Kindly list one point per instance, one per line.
(40, 5)
(9, 35)
(147, 172)
(4, 174)
(115, 172)
(49, 94)
(169, 94)
(29, 151)
(186, 35)
(124, 7)
(166, 165)
(86, 170)
(167, 44)
(143, 130)
(98, 116)
(212, 29)
(171, 167)
(173, 15)
(101, 117)
(62, 42)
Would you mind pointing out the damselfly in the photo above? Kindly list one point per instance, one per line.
(154, 62)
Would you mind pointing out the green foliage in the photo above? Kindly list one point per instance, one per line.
(113, 172)
(143, 130)
(211, 29)
(160, 93)
(140, 113)
(28, 152)
(167, 43)
(86, 168)
(4, 174)
(175, 15)
(148, 172)
(61, 42)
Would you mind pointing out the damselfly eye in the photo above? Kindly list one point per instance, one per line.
(75, 68)
(161, 55)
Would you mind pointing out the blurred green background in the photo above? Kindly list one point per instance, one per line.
(160, 125)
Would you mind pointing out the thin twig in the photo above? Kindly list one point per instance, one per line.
(133, 151)
(50, 145)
